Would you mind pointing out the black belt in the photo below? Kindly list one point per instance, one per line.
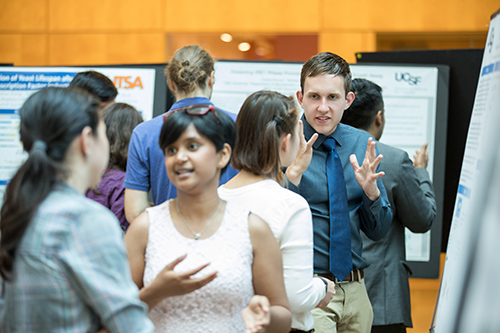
(301, 331)
(355, 275)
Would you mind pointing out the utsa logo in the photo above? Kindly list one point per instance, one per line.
(126, 82)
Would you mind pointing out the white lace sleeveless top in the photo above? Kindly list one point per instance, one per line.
(217, 306)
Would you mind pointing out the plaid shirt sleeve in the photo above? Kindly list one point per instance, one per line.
(96, 265)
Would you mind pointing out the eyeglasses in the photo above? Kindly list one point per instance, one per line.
(194, 110)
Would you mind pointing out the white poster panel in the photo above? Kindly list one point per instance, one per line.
(135, 87)
(410, 96)
(475, 217)
(235, 81)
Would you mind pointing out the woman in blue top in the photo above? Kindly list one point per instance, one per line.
(190, 77)
(62, 257)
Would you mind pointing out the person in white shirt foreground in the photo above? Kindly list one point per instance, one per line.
(243, 255)
(268, 137)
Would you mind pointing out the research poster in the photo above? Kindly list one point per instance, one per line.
(236, 80)
(473, 242)
(410, 96)
(135, 87)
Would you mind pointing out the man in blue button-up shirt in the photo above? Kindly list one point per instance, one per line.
(325, 95)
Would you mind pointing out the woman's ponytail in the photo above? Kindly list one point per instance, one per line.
(50, 120)
(35, 179)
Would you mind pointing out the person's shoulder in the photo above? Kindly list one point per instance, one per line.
(113, 176)
(158, 214)
(147, 126)
(386, 149)
(111, 182)
(353, 137)
(145, 135)
(66, 200)
(393, 163)
(257, 226)
(393, 156)
(289, 198)
(228, 113)
(74, 210)
(280, 202)
(231, 115)
(164, 206)
(235, 208)
(266, 193)
(140, 226)
(92, 211)
(349, 130)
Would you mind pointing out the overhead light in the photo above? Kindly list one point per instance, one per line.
(243, 47)
(225, 37)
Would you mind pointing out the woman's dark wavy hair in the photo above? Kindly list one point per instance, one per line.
(120, 120)
(50, 120)
(220, 131)
(262, 121)
(97, 84)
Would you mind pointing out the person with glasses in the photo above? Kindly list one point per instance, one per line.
(269, 134)
(203, 264)
(62, 258)
(190, 76)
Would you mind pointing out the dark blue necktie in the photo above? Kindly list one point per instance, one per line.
(340, 226)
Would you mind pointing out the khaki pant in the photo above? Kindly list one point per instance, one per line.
(350, 310)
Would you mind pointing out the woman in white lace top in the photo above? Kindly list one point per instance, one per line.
(268, 138)
(198, 260)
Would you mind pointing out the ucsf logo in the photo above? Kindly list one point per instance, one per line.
(407, 77)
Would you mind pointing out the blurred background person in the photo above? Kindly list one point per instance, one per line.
(411, 195)
(120, 120)
(98, 85)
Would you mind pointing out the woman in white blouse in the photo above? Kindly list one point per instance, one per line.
(268, 138)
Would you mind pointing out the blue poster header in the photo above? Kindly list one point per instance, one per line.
(488, 69)
(34, 81)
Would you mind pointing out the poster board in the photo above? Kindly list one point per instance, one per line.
(416, 104)
(419, 90)
(135, 86)
(469, 296)
(463, 63)
(236, 80)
